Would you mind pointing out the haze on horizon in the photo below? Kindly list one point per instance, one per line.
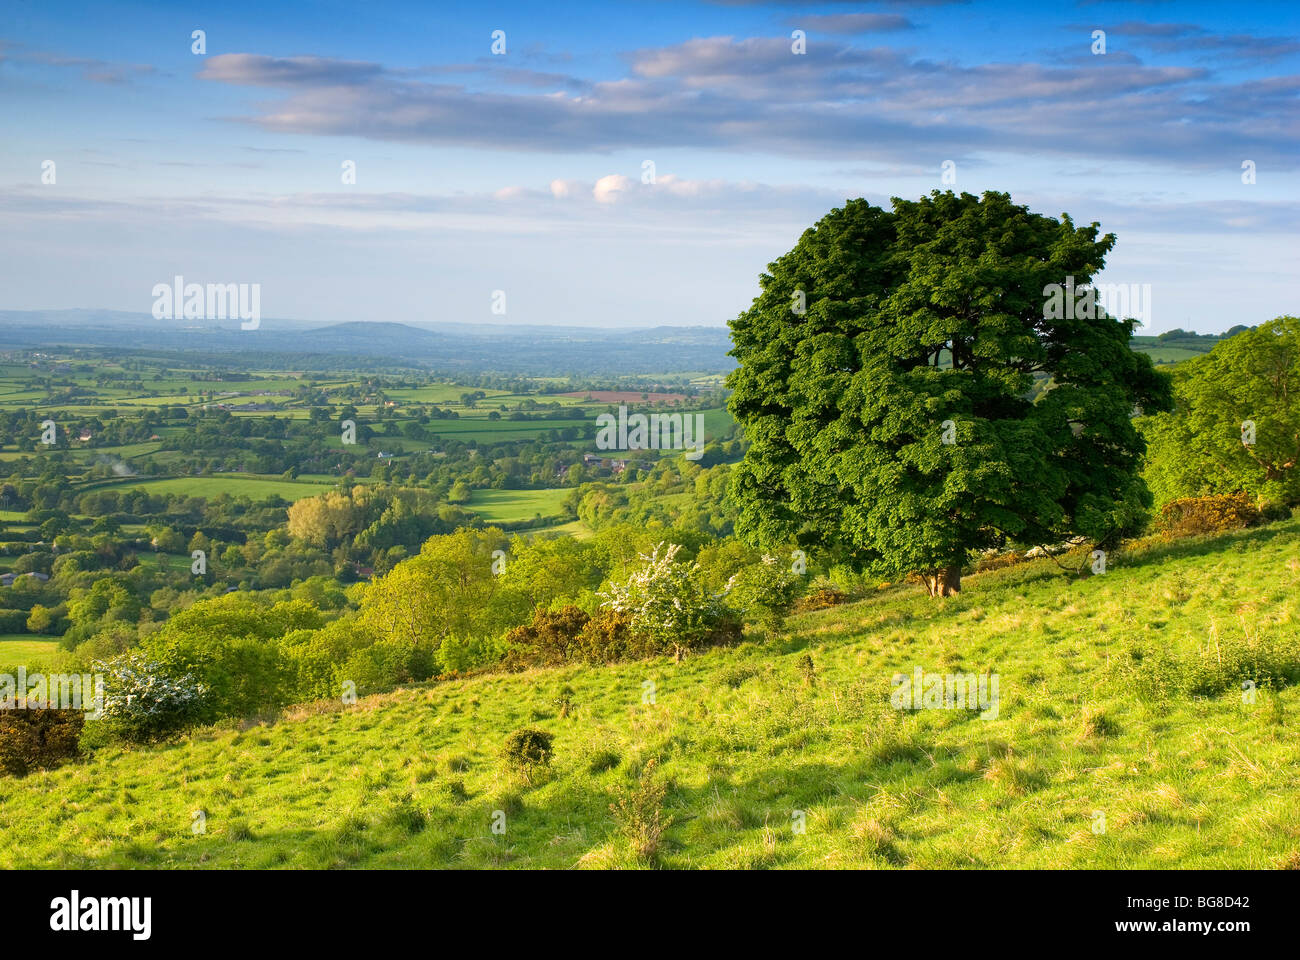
(528, 170)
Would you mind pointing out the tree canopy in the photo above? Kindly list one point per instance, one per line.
(885, 376)
(1236, 424)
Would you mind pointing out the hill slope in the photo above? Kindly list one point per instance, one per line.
(1184, 772)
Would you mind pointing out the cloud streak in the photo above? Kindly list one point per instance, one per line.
(754, 94)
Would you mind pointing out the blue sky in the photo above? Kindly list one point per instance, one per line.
(523, 171)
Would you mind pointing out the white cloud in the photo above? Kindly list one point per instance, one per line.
(608, 188)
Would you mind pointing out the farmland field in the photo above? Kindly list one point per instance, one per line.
(255, 488)
(20, 649)
(505, 506)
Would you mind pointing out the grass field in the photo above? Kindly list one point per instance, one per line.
(747, 742)
(256, 488)
(573, 528)
(507, 506)
(22, 649)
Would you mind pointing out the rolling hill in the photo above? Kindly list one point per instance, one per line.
(1122, 738)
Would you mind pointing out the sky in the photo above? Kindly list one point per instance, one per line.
(626, 164)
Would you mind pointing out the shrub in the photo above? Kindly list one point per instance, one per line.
(459, 655)
(552, 638)
(807, 670)
(1268, 659)
(39, 738)
(142, 702)
(528, 749)
(1271, 511)
(639, 812)
(385, 664)
(767, 590)
(670, 605)
(822, 594)
(13, 621)
(1195, 515)
(608, 637)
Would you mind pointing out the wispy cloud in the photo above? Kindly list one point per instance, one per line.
(92, 69)
(753, 93)
(852, 24)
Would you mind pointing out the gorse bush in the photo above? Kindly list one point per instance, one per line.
(552, 638)
(669, 604)
(1195, 515)
(527, 749)
(822, 593)
(608, 637)
(569, 635)
(144, 702)
(39, 738)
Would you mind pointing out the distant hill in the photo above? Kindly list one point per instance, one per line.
(451, 347)
(533, 351)
(1177, 345)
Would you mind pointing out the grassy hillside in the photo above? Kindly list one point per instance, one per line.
(1185, 773)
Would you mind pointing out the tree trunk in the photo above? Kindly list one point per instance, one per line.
(943, 583)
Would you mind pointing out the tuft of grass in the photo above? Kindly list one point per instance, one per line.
(639, 812)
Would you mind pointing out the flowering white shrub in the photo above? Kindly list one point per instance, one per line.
(669, 603)
(142, 702)
(767, 590)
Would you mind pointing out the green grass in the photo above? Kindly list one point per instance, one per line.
(22, 649)
(573, 528)
(256, 488)
(506, 506)
(741, 742)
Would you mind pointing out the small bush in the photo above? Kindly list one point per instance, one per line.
(821, 594)
(766, 591)
(807, 670)
(608, 638)
(1196, 515)
(639, 813)
(1271, 511)
(38, 738)
(528, 749)
(143, 703)
(734, 677)
(671, 606)
(551, 639)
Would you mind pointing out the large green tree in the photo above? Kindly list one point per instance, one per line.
(1236, 424)
(884, 385)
